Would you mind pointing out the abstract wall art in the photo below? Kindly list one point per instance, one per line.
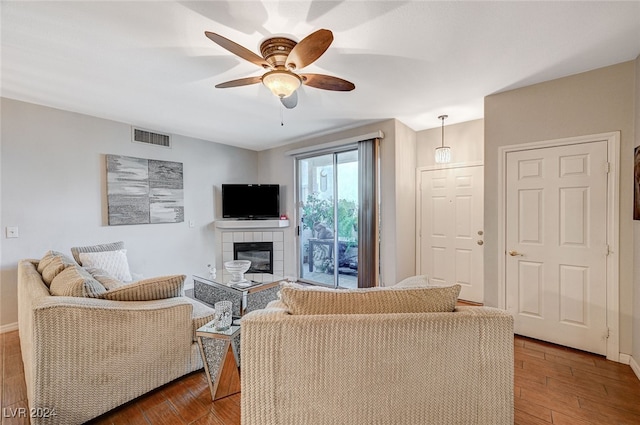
(143, 191)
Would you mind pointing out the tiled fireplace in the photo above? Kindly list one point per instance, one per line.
(259, 245)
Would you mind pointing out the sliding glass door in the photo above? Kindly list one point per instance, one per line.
(328, 202)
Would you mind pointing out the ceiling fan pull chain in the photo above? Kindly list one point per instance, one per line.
(281, 115)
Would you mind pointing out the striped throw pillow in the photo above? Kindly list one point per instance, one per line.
(156, 288)
(52, 264)
(108, 281)
(74, 281)
(113, 246)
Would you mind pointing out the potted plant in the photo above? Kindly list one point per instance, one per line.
(316, 211)
(320, 211)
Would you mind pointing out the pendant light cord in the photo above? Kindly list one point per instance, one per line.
(442, 118)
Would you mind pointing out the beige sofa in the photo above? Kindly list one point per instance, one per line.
(392, 368)
(85, 356)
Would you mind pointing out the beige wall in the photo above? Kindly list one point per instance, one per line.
(388, 211)
(397, 242)
(53, 188)
(593, 102)
(465, 139)
(405, 182)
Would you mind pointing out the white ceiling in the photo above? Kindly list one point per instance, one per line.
(148, 63)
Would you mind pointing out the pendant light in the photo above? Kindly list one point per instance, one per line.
(443, 153)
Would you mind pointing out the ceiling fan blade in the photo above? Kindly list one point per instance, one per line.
(240, 82)
(327, 82)
(290, 102)
(237, 49)
(309, 49)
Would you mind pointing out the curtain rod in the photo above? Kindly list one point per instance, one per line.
(309, 149)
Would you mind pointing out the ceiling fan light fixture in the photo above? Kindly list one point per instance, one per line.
(281, 83)
(443, 153)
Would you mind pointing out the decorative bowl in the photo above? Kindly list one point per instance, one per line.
(237, 268)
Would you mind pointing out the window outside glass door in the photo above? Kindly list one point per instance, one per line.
(328, 199)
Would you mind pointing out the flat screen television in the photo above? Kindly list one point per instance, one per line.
(251, 201)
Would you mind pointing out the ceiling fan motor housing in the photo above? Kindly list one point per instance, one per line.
(276, 50)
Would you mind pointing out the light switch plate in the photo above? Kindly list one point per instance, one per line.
(12, 232)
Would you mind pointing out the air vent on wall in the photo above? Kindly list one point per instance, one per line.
(144, 136)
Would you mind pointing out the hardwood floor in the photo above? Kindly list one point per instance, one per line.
(553, 385)
(559, 385)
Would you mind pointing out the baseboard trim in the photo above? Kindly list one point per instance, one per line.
(624, 358)
(9, 327)
(634, 366)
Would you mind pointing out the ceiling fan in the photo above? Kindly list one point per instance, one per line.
(282, 57)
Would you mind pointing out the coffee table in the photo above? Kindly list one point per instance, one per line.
(220, 352)
(244, 299)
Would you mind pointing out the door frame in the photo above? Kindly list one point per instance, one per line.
(613, 225)
(419, 171)
(333, 151)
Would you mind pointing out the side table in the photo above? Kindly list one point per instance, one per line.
(220, 352)
(244, 299)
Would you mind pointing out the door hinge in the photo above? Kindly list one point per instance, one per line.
(607, 167)
(607, 333)
(607, 250)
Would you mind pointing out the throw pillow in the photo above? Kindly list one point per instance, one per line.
(419, 281)
(74, 281)
(113, 246)
(368, 301)
(304, 286)
(46, 259)
(52, 264)
(113, 262)
(156, 288)
(108, 281)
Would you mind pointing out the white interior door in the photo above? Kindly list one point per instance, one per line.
(556, 244)
(451, 228)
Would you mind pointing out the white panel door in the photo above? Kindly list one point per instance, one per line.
(451, 220)
(556, 240)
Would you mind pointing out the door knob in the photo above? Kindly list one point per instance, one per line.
(480, 242)
(515, 254)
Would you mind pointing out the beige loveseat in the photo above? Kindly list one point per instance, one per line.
(85, 356)
(379, 368)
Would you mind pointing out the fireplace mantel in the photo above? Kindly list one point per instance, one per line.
(251, 224)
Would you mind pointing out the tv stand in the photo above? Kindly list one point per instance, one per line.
(251, 224)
